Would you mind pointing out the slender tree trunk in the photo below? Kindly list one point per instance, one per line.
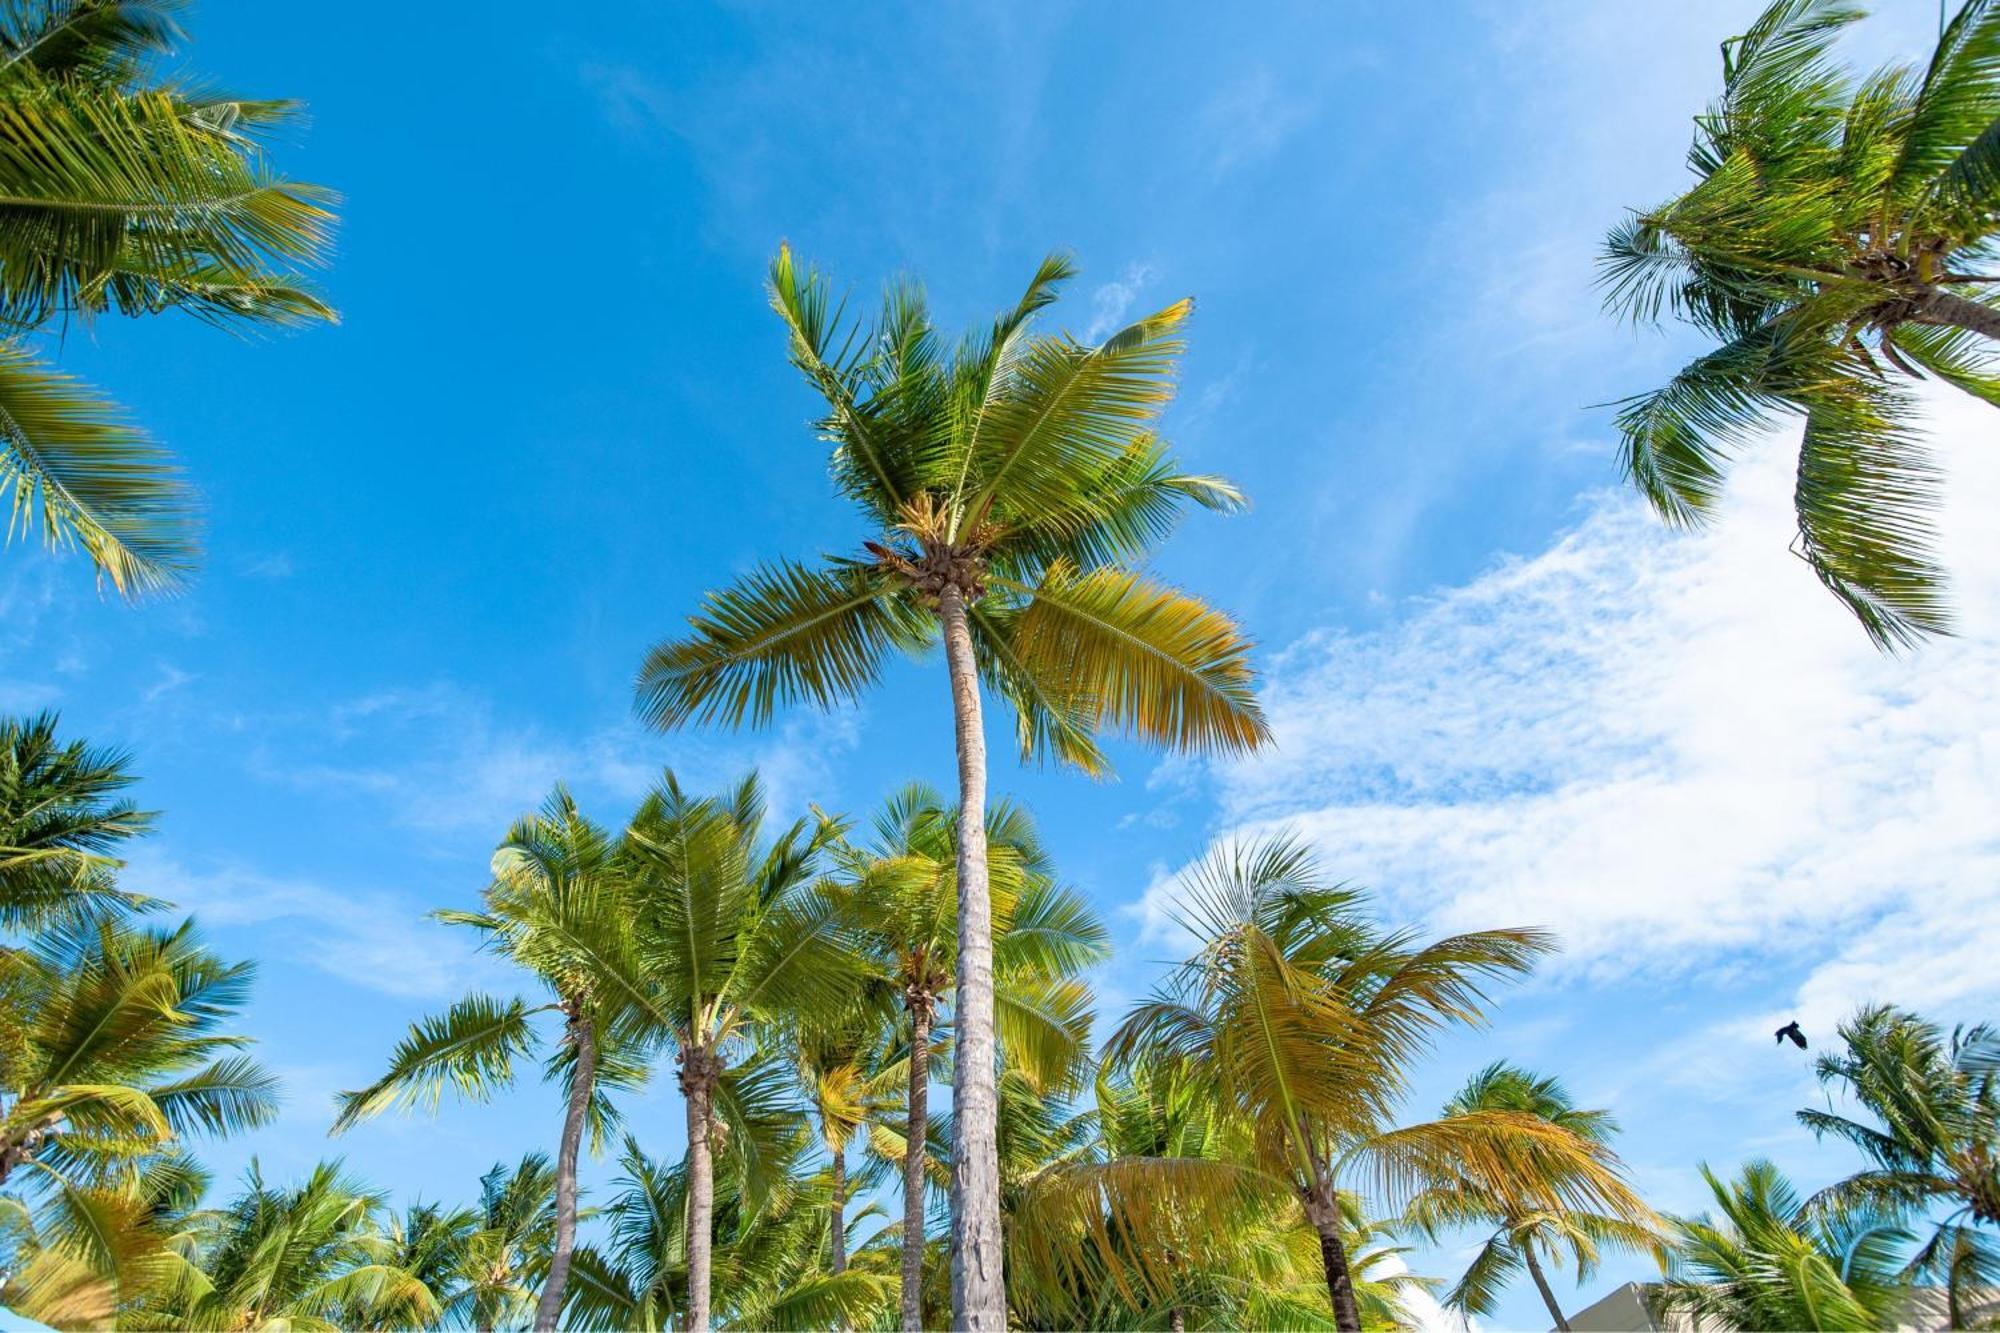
(838, 1222)
(583, 1079)
(1955, 311)
(978, 1291)
(1176, 1320)
(913, 1168)
(1323, 1210)
(1542, 1285)
(698, 1073)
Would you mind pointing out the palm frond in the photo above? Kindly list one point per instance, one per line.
(469, 1049)
(1142, 658)
(78, 471)
(1865, 493)
(784, 634)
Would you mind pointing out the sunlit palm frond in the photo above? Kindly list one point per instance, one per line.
(469, 1049)
(76, 470)
(785, 634)
(1150, 661)
(1866, 491)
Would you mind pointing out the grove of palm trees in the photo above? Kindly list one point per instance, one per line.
(773, 1004)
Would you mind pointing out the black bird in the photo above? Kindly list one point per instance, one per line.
(1791, 1030)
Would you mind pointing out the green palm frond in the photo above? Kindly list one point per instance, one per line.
(227, 1097)
(77, 471)
(1865, 493)
(98, 42)
(62, 820)
(100, 190)
(1150, 661)
(784, 634)
(469, 1049)
(1958, 101)
(1066, 414)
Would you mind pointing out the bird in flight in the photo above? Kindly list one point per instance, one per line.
(1791, 1030)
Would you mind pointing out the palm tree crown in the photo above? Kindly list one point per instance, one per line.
(1524, 1225)
(1838, 246)
(1770, 1261)
(1018, 472)
(1934, 1149)
(1301, 1016)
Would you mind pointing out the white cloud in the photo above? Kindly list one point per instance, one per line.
(1677, 750)
(1111, 302)
(441, 761)
(371, 938)
(1251, 120)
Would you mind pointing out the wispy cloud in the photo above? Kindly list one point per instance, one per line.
(372, 938)
(1251, 119)
(1676, 750)
(442, 760)
(1111, 302)
(276, 565)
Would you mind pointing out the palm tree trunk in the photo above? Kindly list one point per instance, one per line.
(698, 1074)
(838, 1222)
(978, 1293)
(913, 1168)
(582, 1082)
(1955, 311)
(1323, 1210)
(1176, 1320)
(1542, 1285)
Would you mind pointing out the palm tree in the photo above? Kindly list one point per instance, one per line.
(121, 1048)
(507, 1254)
(901, 892)
(1934, 1149)
(1838, 246)
(772, 1256)
(734, 939)
(312, 1257)
(1773, 1262)
(1522, 1225)
(105, 1252)
(554, 908)
(123, 191)
(840, 1063)
(61, 820)
(1301, 1016)
(431, 1242)
(1006, 485)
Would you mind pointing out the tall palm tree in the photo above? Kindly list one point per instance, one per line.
(121, 190)
(1523, 1224)
(61, 820)
(1007, 486)
(555, 909)
(1770, 1261)
(121, 1048)
(734, 938)
(1301, 1016)
(901, 891)
(1838, 245)
(1934, 1149)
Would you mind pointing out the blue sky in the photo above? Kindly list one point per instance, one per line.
(442, 534)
